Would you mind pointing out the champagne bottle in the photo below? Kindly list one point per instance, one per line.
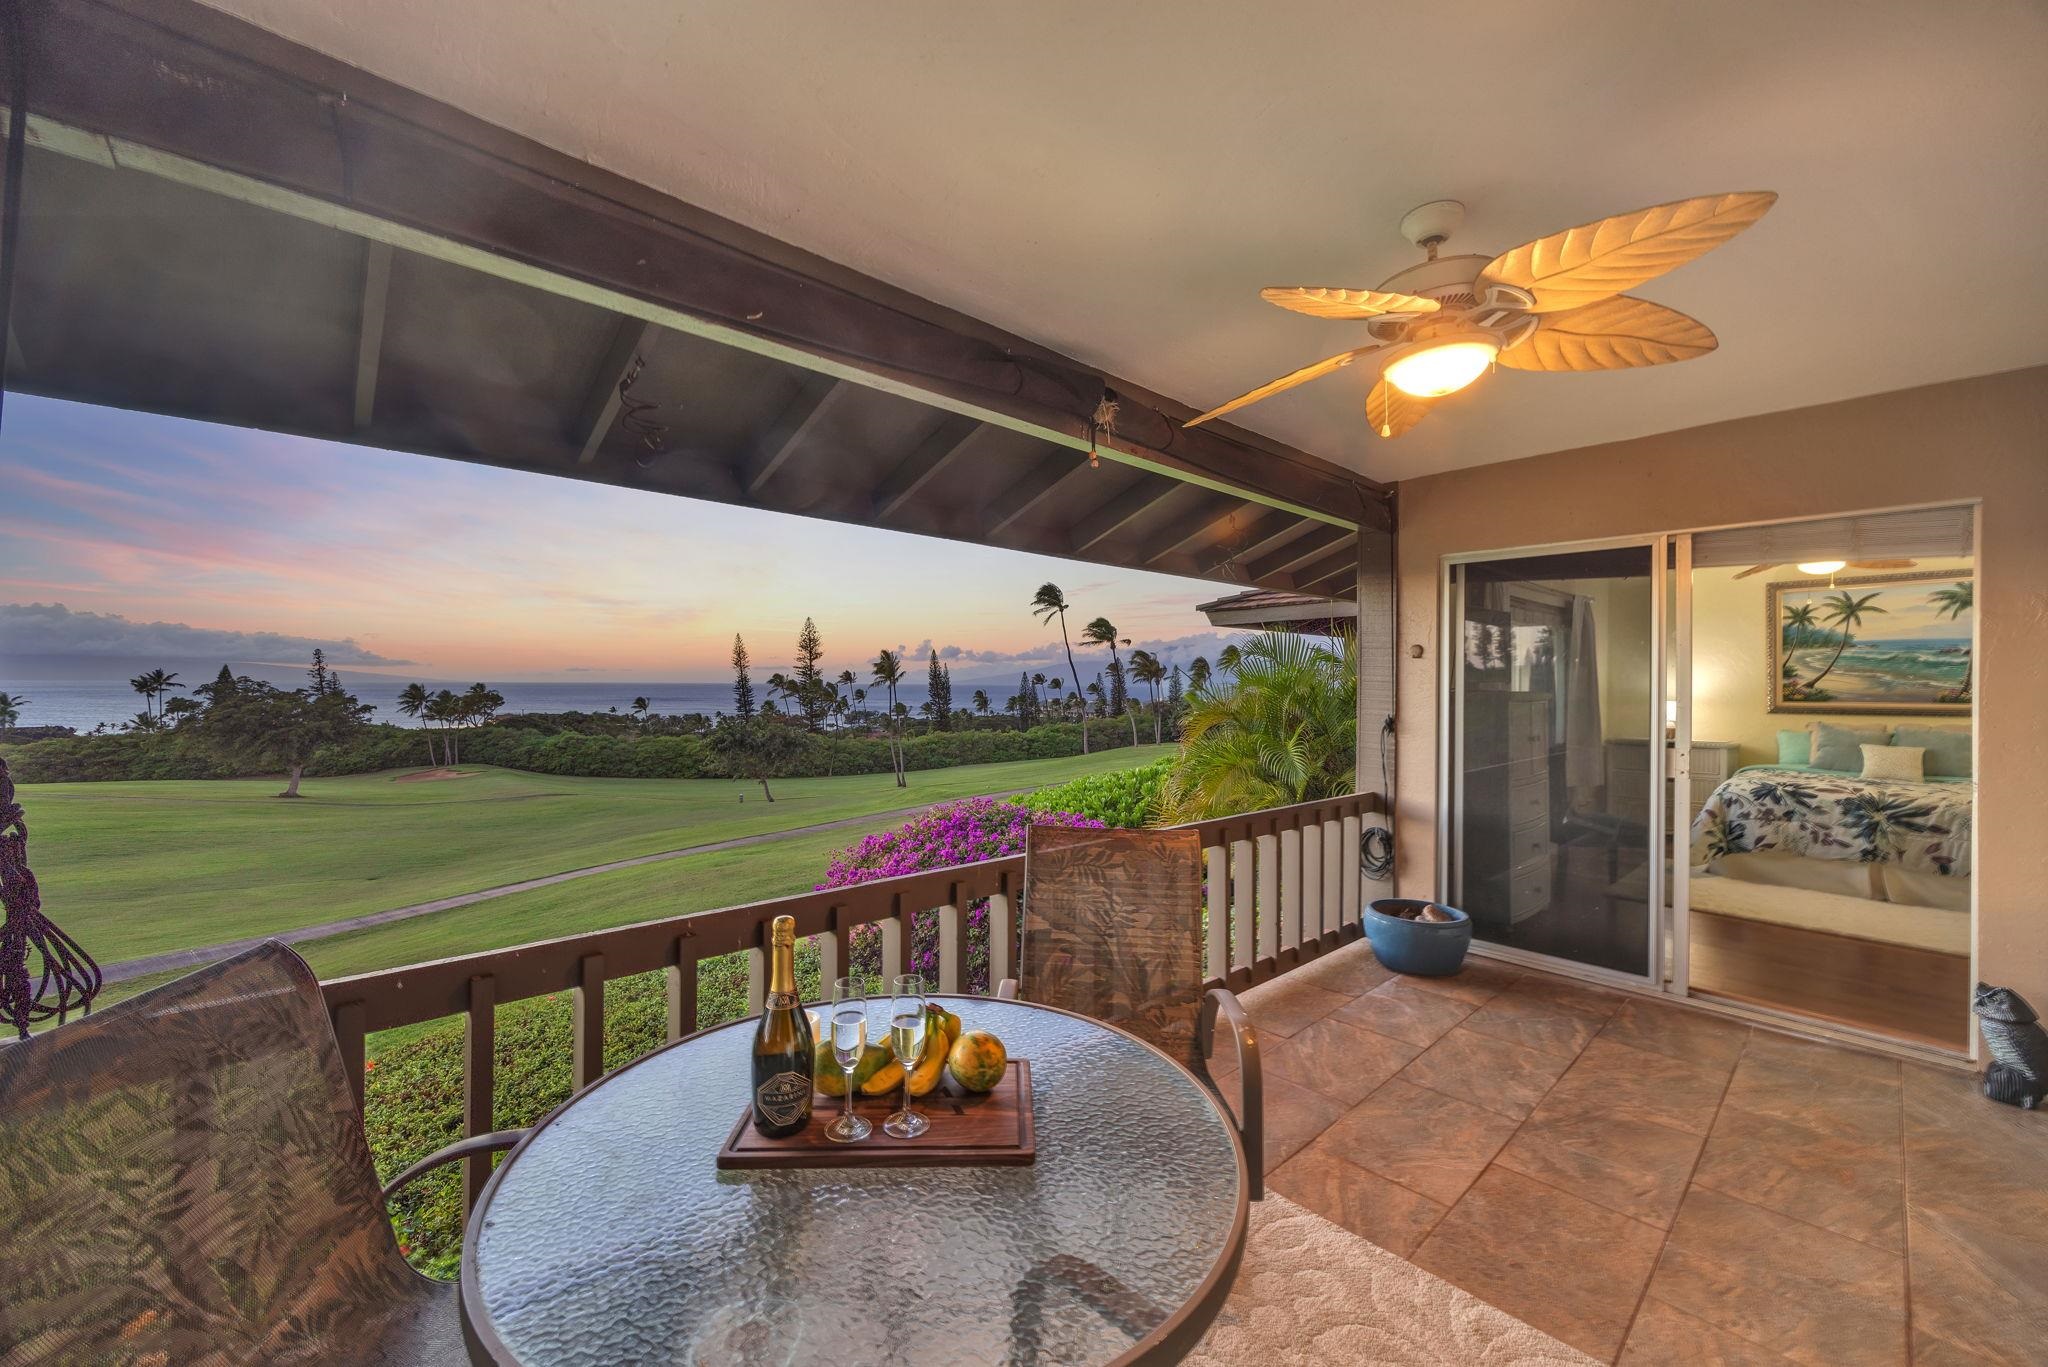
(784, 1053)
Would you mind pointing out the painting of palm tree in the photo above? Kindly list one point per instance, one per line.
(1897, 644)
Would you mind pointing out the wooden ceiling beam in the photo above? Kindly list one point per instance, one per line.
(1210, 521)
(1045, 481)
(632, 343)
(255, 105)
(1262, 537)
(814, 401)
(1329, 574)
(1120, 512)
(940, 448)
(370, 329)
(1297, 552)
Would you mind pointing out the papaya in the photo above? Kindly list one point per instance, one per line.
(831, 1079)
(978, 1061)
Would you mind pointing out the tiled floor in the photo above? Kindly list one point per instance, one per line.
(1653, 1184)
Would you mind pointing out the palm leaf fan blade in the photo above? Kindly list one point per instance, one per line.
(1393, 411)
(1615, 334)
(1324, 301)
(1598, 260)
(1329, 365)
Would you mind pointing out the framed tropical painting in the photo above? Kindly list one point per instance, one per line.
(1897, 644)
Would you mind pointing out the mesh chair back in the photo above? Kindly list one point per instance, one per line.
(186, 1181)
(1113, 930)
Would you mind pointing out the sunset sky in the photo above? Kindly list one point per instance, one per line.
(198, 538)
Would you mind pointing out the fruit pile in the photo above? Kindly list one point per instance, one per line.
(975, 1058)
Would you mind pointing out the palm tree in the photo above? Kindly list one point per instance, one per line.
(1147, 670)
(1844, 612)
(1102, 632)
(640, 706)
(1198, 673)
(1047, 604)
(413, 700)
(888, 672)
(1798, 621)
(1952, 603)
(153, 686)
(1037, 682)
(981, 701)
(10, 709)
(1283, 729)
(1227, 658)
(444, 707)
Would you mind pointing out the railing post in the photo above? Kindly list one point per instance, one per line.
(1354, 829)
(1002, 925)
(1295, 932)
(347, 1019)
(588, 1035)
(951, 944)
(479, 1082)
(1269, 896)
(831, 955)
(682, 993)
(892, 943)
(1310, 872)
(1244, 952)
(757, 977)
(1218, 860)
(1333, 873)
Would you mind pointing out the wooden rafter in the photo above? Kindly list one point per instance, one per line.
(1261, 536)
(815, 399)
(1120, 512)
(1331, 574)
(1042, 483)
(633, 340)
(370, 329)
(1297, 553)
(940, 448)
(1210, 520)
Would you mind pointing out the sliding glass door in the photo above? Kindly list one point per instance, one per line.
(1553, 668)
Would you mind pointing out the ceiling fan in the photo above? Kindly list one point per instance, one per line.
(1827, 569)
(1552, 304)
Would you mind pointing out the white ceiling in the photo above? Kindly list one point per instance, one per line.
(1117, 180)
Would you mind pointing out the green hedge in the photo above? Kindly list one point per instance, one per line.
(1126, 798)
(567, 753)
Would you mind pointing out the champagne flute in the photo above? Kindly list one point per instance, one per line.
(906, 1041)
(849, 1042)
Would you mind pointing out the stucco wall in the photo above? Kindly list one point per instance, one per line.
(1983, 438)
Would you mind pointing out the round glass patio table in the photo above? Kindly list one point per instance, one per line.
(609, 1235)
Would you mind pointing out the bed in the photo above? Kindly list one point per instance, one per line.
(1849, 895)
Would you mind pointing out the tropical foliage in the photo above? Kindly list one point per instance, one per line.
(1126, 799)
(1281, 728)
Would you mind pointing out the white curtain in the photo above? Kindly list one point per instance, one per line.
(1584, 745)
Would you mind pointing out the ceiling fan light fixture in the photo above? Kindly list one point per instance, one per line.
(1822, 566)
(1444, 369)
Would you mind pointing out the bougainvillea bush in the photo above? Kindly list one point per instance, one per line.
(942, 837)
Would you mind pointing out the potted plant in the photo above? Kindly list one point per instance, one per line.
(1423, 939)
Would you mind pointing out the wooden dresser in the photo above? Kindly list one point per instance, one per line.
(1509, 849)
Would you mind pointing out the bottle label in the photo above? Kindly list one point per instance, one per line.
(783, 1099)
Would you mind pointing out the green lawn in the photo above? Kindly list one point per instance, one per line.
(131, 869)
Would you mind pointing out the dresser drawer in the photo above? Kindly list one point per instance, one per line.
(1529, 888)
(1528, 841)
(1529, 803)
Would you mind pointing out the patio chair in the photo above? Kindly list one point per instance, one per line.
(186, 1180)
(1113, 931)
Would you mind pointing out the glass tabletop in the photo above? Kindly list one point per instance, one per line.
(611, 1236)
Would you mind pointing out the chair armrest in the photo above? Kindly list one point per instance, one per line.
(461, 1148)
(1251, 1085)
(1006, 990)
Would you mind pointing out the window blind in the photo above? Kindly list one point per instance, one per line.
(1878, 536)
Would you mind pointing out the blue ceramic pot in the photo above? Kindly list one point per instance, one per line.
(1425, 949)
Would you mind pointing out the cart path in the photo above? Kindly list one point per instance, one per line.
(206, 954)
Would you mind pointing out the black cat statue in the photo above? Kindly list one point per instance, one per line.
(2018, 1071)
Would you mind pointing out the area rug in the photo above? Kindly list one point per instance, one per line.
(1311, 1292)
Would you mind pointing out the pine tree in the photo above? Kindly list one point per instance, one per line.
(939, 695)
(742, 682)
(318, 673)
(809, 680)
(1026, 704)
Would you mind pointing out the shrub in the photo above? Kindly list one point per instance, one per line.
(1125, 799)
(941, 837)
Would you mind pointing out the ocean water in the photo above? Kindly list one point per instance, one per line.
(1886, 671)
(86, 702)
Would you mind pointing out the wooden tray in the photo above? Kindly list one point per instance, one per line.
(967, 1130)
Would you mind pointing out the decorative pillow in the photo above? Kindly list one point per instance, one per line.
(1947, 747)
(1899, 763)
(1840, 747)
(1795, 747)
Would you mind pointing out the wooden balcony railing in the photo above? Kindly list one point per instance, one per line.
(1286, 879)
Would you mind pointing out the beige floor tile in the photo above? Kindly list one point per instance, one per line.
(1818, 1298)
(1836, 1181)
(1620, 1080)
(1566, 1266)
(1342, 1061)
(1488, 1072)
(1677, 1032)
(1635, 1167)
(1294, 1116)
(1478, 981)
(1426, 1141)
(1664, 1337)
(1365, 1203)
(1537, 1021)
(1833, 1091)
(1405, 1012)
(1286, 1004)
(1349, 971)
